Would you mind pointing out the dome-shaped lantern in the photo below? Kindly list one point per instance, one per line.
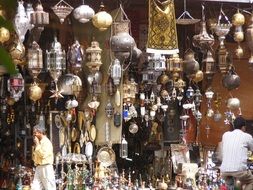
(102, 20)
(83, 13)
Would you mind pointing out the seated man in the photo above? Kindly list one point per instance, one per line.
(235, 146)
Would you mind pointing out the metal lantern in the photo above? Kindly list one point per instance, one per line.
(16, 86)
(83, 13)
(69, 84)
(21, 21)
(56, 64)
(35, 92)
(189, 92)
(203, 40)
(208, 65)
(157, 62)
(123, 148)
(75, 57)
(109, 109)
(174, 65)
(116, 71)
(62, 10)
(190, 66)
(39, 17)
(121, 42)
(102, 20)
(197, 98)
(110, 86)
(35, 59)
(29, 11)
(93, 54)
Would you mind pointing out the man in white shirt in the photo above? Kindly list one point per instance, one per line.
(43, 158)
(235, 147)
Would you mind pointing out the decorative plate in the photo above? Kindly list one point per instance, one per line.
(93, 133)
(73, 134)
(57, 121)
(62, 136)
(77, 148)
(106, 156)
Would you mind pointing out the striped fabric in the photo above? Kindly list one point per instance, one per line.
(235, 146)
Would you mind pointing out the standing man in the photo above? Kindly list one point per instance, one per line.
(235, 146)
(43, 157)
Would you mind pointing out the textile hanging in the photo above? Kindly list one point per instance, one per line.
(162, 31)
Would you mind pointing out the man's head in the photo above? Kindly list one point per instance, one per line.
(240, 123)
(39, 131)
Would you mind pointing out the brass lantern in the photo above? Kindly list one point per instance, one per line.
(16, 86)
(175, 65)
(102, 20)
(56, 64)
(35, 59)
(93, 54)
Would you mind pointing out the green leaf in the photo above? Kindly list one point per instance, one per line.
(6, 61)
(6, 23)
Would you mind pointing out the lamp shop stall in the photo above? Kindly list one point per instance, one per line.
(118, 116)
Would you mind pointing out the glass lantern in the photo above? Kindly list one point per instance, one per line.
(35, 59)
(21, 21)
(123, 148)
(56, 63)
(116, 71)
(109, 109)
(16, 86)
(93, 54)
(158, 62)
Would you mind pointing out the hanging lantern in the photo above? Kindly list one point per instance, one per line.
(62, 10)
(69, 84)
(102, 20)
(17, 53)
(29, 11)
(55, 61)
(109, 109)
(123, 148)
(190, 66)
(4, 34)
(39, 17)
(121, 43)
(175, 66)
(83, 13)
(93, 54)
(238, 19)
(231, 79)
(203, 40)
(35, 92)
(16, 86)
(21, 21)
(35, 59)
(75, 57)
(110, 86)
(189, 92)
(208, 65)
(116, 71)
(157, 62)
(197, 98)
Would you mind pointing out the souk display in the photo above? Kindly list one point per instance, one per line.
(119, 117)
